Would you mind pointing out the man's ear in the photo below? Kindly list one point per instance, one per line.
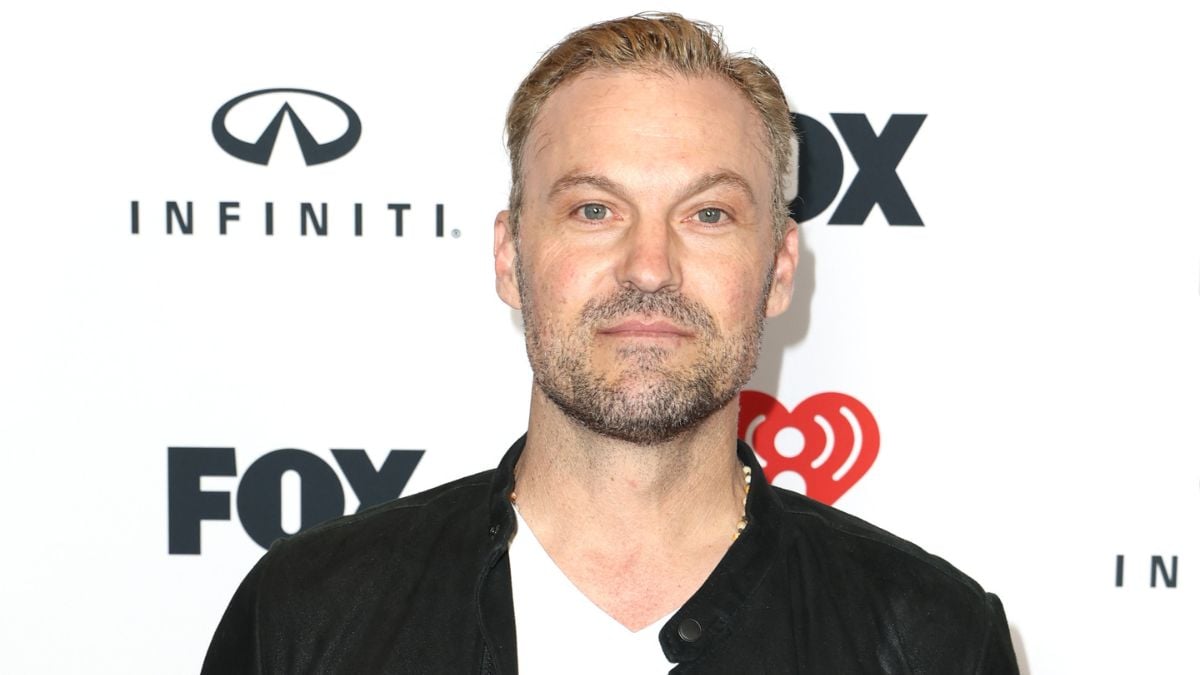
(504, 249)
(786, 259)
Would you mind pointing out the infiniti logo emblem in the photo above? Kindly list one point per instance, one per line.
(259, 151)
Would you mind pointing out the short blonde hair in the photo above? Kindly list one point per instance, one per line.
(659, 43)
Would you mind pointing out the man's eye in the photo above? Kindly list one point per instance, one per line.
(710, 216)
(593, 211)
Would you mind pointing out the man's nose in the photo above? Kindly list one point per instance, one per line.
(650, 257)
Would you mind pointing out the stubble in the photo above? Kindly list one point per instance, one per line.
(647, 400)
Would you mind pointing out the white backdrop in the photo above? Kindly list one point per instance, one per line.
(1029, 354)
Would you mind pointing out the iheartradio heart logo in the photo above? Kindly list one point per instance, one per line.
(837, 442)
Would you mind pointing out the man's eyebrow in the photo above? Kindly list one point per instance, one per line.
(591, 180)
(708, 181)
(721, 178)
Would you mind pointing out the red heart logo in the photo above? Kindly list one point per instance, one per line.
(840, 440)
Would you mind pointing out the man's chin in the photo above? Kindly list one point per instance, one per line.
(633, 429)
(641, 410)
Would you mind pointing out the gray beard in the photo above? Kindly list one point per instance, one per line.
(667, 401)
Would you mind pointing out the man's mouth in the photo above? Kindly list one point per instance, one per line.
(648, 328)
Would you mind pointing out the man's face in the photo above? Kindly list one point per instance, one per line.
(646, 261)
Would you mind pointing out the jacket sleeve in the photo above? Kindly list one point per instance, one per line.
(235, 648)
(998, 656)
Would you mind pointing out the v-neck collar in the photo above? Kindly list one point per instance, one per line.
(711, 613)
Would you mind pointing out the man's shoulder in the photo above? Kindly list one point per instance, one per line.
(354, 592)
(932, 613)
(871, 555)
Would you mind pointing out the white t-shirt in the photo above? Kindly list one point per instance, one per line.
(559, 630)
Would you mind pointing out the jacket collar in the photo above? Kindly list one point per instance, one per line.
(707, 617)
(712, 612)
(493, 589)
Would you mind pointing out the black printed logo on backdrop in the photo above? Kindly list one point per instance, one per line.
(259, 152)
(260, 490)
(312, 216)
(877, 155)
(1150, 571)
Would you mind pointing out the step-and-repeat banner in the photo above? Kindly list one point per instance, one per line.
(246, 285)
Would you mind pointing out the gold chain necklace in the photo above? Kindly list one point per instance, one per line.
(745, 495)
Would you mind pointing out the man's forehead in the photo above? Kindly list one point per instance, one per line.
(645, 107)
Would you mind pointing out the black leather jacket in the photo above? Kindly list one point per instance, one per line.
(421, 584)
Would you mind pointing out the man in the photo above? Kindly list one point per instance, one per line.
(646, 239)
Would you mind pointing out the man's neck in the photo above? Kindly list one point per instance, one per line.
(627, 521)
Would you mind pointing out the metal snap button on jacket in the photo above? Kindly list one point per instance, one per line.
(689, 630)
